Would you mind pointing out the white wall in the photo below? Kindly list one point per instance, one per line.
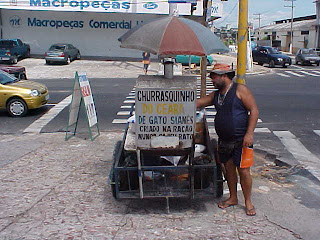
(90, 41)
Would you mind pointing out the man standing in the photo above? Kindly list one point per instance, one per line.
(235, 121)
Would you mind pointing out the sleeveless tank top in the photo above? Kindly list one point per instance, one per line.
(231, 121)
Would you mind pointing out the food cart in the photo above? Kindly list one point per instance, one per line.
(167, 152)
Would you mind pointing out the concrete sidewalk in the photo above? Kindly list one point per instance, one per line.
(57, 189)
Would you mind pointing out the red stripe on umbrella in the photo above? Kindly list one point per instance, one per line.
(185, 38)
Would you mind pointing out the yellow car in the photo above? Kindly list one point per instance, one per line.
(18, 96)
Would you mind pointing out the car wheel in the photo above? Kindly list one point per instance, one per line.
(23, 76)
(28, 53)
(14, 60)
(68, 61)
(284, 65)
(260, 63)
(16, 107)
(48, 62)
(318, 63)
(78, 56)
(271, 63)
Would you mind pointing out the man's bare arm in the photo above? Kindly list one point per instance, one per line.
(205, 101)
(249, 102)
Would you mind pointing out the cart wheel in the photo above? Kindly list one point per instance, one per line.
(113, 188)
(114, 156)
(219, 190)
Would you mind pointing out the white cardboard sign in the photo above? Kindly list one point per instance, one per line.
(88, 99)
(164, 112)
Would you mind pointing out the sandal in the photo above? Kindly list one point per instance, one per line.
(251, 211)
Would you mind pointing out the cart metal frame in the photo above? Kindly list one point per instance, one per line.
(129, 183)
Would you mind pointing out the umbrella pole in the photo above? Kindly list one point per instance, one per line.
(203, 72)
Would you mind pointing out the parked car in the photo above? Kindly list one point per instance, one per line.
(317, 51)
(13, 49)
(17, 71)
(184, 59)
(62, 52)
(307, 56)
(18, 96)
(271, 56)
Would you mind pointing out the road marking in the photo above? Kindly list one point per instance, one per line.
(297, 66)
(129, 101)
(37, 125)
(120, 121)
(262, 130)
(125, 113)
(125, 106)
(318, 72)
(293, 73)
(283, 75)
(130, 97)
(317, 132)
(310, 74)
(211, 113)
(211, 130)
(210, 120)
(299, 151)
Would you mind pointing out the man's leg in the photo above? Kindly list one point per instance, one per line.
(246, 185)
(232, 180)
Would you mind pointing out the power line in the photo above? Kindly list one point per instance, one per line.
(230, 12)
(258, 18)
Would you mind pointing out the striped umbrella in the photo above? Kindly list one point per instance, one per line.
(173, 35)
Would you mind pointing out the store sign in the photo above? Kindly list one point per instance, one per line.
(216, 10)
(130, 6)
(164, 112)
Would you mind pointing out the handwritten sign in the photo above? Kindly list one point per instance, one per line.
(165, 112)
(88, 99)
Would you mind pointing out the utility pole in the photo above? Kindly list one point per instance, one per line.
(317, 44)
(258, 18)
(242, 41)
(292, 6)
(203, 60)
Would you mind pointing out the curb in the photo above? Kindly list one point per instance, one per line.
(272, 157)
(275, 159)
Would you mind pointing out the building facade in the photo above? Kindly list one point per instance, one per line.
(279, 34)
(92, 26)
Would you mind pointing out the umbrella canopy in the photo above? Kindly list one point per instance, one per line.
(172, 36)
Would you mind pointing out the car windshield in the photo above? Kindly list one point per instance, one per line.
(273, 51)
(6, 78)
(307, 51)
(57, 48)
(6, 44)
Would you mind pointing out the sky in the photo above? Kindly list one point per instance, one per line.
(270, 10)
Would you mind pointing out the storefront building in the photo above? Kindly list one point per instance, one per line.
(91, 26)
